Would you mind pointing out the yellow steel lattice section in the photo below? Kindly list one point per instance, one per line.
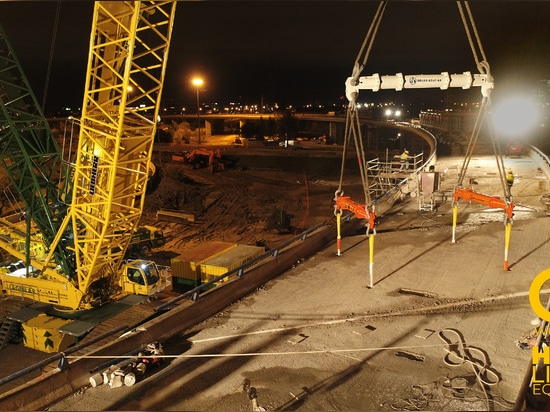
(126, 67)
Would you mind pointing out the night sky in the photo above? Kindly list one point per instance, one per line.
(290, 51)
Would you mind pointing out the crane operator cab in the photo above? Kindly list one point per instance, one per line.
(140, 277)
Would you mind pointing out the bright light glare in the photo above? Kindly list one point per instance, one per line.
(197, 81)
(515, 116)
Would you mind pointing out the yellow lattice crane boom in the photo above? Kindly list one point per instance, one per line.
(125, 74)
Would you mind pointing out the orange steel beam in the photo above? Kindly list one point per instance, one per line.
(360, 210)
(491, 201)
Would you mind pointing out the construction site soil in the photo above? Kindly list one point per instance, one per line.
(261, 198)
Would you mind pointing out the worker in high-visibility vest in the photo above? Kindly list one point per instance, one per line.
(510, 179)
(404, 160)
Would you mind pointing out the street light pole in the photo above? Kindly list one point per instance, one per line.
(198, 82)
(198, 116)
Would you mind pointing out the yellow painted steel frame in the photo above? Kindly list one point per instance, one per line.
(47, 283)
(126, 67)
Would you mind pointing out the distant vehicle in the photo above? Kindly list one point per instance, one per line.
(146, 238)
(290, 143)
(515, 150)
(325, 140)
(179, 156)
(203, 157)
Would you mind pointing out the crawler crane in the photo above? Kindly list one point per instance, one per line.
(399, 82)
(87, 211)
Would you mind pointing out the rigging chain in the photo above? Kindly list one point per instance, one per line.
(484, 68)
(353, 124)
(353, 129)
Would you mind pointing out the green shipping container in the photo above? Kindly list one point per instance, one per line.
(228, 260)
(182, 285)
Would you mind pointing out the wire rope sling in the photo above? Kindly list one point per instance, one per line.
(399, 82)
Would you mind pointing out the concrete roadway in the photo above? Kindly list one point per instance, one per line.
(438, 330)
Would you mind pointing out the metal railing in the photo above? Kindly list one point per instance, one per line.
(194, 293)
(60, 356)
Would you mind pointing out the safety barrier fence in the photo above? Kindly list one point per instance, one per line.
(194, 293)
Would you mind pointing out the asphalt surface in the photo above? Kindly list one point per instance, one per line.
(441, 328)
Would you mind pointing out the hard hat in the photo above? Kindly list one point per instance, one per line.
(406, 151)
(510, 171)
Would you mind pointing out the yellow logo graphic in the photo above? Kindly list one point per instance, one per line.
(540, 383)
(534, 295)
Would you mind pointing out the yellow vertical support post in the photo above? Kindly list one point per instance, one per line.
(455, 215)
(507, 244)
(338, 234)
(371, 258)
